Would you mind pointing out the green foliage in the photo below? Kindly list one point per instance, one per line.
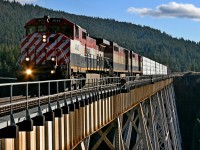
(178, 54)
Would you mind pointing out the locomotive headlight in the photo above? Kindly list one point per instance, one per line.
(53, 58)
(52, 71)
(44, 38)
(28, 71)
(27, 58)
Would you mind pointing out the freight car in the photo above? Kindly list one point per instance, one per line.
(56, 48)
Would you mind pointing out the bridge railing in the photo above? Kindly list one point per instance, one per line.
(29, 94)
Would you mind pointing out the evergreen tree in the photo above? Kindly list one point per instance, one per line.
(177, 54)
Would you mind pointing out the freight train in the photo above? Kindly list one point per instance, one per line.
(56, 48)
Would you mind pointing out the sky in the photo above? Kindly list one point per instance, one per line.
(178, 18)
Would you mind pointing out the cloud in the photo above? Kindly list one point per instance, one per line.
(170, 10)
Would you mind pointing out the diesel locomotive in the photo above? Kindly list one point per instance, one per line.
(56, 48)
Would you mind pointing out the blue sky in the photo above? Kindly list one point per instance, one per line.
(179, 18)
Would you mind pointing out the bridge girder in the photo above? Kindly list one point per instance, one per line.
(152, 124)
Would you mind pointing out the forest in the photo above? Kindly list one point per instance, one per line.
(178, 54)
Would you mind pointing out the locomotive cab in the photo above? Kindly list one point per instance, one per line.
(55, 48)
(45, 49)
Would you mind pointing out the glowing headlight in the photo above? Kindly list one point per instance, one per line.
(44, 36)
(53, 58)
(44, 40)
(27, 58)
(28, 71)
(52, 71)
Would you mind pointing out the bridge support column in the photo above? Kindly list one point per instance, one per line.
(39, 130)
(7, 144)
(99, 113)
(48, 135)
(91, 114)
(82, 119)
(96, 114)
(20, 141)
(59, 132)
(77, 123)
(66, 128)
(31, 139)
(103, 108)
(40, 137)
(48, 128)
(87, 117)
(109, 109)
(72, 124)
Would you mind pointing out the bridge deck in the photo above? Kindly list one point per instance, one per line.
(80, 113)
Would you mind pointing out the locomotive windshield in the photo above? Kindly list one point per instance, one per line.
(41, 28)
(52, 25)
(30, 29)
(54, 29)
(66, 29)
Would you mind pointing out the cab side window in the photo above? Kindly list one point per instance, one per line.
(84, 35)
(68, 31)
(77, 32)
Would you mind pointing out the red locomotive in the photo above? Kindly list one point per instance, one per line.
(55, 48)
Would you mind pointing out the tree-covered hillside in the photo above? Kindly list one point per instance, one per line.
(178, 54)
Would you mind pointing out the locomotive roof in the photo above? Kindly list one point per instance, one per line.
(62, 21)
(49, 20)
(59, 21)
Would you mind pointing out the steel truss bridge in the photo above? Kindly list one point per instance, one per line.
(136, 113)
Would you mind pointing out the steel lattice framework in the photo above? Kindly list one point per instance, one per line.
(150, 125)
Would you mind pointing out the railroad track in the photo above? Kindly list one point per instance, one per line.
(21, 103)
